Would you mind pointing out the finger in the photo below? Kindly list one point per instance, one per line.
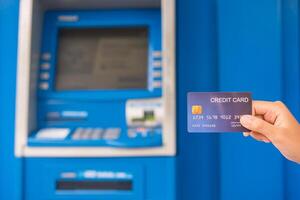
(258, 125)
(262, 107)
(268, 110)
(246, 134)
(259, 137)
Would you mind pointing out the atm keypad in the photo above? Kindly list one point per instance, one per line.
(87, 134)
(109, 133)
(96, 133)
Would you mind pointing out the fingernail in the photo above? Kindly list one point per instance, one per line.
(246, 120)
(246, 134)
(266, 141)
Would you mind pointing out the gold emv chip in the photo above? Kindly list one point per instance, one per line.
(196, 109)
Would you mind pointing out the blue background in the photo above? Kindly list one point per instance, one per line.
(227, 45)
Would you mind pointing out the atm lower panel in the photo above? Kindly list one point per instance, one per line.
(150, 178)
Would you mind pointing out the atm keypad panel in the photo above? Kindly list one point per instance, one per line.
(112, 137)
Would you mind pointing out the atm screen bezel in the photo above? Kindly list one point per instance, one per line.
(149, 18)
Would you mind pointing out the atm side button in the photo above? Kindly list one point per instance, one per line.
(44, 86)
(45, 66)
(46, 56)
(157, 54)
(44, 76)
(157, 64)
(156, 74)
(156, 84)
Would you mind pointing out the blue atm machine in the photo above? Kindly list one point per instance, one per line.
(95, 102)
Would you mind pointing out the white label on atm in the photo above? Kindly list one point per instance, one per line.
(53, 133)
(144, 112)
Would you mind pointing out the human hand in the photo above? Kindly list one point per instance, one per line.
(273, 122)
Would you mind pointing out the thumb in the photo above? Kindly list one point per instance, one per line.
(258, 125)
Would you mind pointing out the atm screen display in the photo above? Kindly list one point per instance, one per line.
(102, 58)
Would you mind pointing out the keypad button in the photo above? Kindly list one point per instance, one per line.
(97, 133)
(112, 133)
(156, 74)
(157, 64)
(156, 54)
(45, 66)
(44, 76)
(44, 86)
(46, 56)
(77, 134)
(156, 84)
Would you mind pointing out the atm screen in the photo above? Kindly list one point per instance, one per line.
(102, 58)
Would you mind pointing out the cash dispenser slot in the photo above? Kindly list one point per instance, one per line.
(93, 185)
(91, 180)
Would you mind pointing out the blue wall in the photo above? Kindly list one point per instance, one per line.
(250, 60)
(196, 71)
(227, 45)
(291, 85)
(257, 50)
(198, 161)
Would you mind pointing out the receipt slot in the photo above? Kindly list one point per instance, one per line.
(96, 79)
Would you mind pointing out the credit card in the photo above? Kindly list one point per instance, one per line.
(217, 111)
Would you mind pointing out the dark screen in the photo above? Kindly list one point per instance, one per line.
(102, 58)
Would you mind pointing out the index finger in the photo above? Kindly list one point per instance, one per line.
(262, 107)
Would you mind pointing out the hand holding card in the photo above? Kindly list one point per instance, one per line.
(222, 111)
(273, 122)
(217, 111)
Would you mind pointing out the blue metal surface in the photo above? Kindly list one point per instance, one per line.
(291, 84)
(250, 60)
(197, 60)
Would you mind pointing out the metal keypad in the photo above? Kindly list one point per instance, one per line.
(96, 133)
(87, 134)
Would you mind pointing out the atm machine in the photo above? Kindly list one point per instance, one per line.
(95, 102)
